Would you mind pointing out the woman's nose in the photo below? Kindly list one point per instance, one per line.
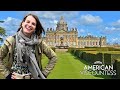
(30, 24)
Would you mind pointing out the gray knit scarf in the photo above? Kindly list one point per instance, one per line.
(25, 49)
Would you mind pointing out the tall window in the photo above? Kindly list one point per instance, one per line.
(96, 43)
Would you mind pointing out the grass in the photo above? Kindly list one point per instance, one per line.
(69, 67)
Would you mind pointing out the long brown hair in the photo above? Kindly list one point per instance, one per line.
(39, 28)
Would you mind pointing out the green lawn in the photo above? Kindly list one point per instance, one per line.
(69, 67)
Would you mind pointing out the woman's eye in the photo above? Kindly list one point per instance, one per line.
(28, 21)
(33, 24)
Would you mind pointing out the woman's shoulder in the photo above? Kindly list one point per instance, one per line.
(10, 40)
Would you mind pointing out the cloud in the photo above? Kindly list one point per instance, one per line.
(115, 40)
(90, 19)
(12, 21)
(116, 24)
(110, 30)
(10, 25)
(53, 14)
(81, 30)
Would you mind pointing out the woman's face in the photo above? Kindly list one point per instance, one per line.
(29, 25)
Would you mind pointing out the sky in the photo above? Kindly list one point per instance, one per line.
(95, 23)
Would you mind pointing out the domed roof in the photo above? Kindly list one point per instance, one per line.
(62, 21)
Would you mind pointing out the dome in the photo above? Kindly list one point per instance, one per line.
(62, 21)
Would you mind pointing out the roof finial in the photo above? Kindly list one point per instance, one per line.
(61, 18)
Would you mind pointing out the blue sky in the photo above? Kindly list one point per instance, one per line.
(96, 23)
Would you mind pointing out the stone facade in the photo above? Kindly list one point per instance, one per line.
(64, 37)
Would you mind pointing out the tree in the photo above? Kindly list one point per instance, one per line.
(2, 33)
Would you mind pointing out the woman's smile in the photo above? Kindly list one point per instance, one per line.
(29, 28)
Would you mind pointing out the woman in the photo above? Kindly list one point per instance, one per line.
(24, 51)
